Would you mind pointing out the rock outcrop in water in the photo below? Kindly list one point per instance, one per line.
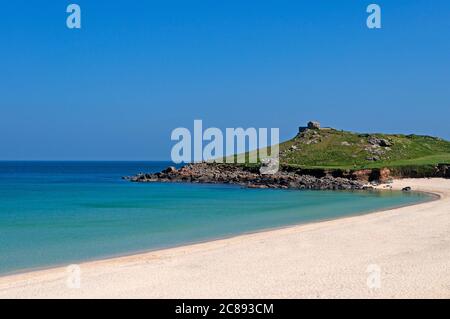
(246, 177)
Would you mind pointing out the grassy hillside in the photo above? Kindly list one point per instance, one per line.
(330, 148)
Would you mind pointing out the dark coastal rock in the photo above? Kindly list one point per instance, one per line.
(170, 169)
(385, 143)
(313, 125)
(247, 177)
(379, 141)
(443, 170)
(406, 189)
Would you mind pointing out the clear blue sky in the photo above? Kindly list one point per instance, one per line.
(138, 69)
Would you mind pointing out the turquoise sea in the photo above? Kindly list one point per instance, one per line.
(57, 213)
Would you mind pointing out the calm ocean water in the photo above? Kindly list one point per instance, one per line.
(56, 213)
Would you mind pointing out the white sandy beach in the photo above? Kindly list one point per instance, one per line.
(410, 245)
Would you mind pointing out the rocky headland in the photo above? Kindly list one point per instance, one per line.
(324, 158)
(246, 176)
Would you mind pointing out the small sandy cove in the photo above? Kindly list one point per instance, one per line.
(399, 253)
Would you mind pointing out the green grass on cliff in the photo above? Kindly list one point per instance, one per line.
(334, 149)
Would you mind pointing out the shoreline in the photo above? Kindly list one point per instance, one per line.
(433, 197)
(41, 283)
